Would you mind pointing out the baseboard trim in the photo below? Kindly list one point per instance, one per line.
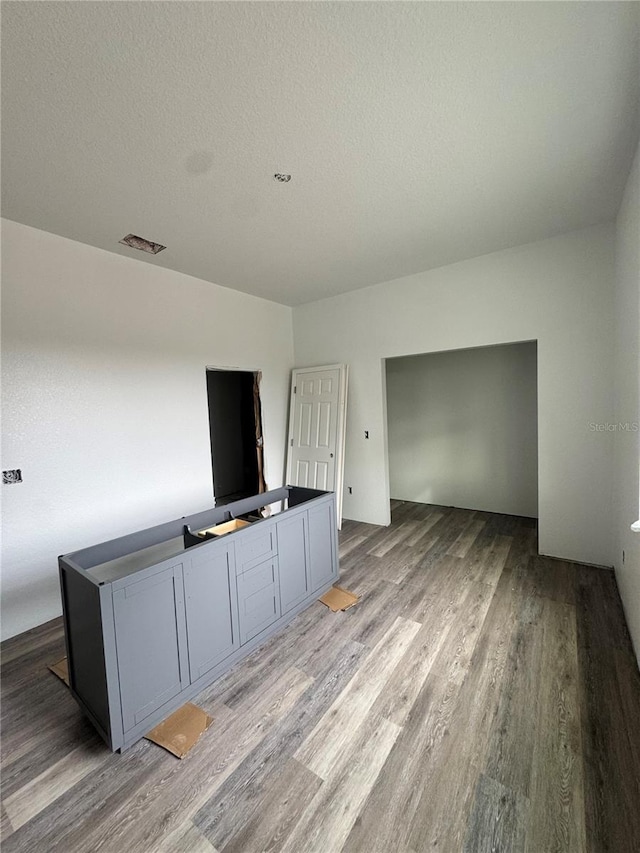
(577, 562)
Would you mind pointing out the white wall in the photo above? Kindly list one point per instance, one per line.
(462, 428)
(105, 403)
(558, 292)
(627, 402)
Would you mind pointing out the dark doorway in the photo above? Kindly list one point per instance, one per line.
(235, 427)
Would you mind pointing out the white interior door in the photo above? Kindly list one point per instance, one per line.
(317, 420)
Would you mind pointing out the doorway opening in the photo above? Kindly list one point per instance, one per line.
(235, 429)
(462, 428)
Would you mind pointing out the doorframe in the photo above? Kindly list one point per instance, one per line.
(341, 427)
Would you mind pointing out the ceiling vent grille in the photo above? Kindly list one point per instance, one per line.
(142, 244)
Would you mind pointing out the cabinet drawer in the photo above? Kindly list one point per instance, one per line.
(260, 576)
(255, 546)
(258, 599)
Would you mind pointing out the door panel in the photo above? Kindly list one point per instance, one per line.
(151, 644)
(302, 474)
(326, 425)
(304, 425)
(211, 607)
(323, 476)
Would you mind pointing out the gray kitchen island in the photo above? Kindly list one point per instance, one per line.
(154, 617)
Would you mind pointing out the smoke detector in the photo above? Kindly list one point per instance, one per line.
(142, 244)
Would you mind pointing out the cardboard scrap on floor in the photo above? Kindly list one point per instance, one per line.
(61, 669)
(339, 599)
(179, 732)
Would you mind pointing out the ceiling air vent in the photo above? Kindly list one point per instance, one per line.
(142, 244)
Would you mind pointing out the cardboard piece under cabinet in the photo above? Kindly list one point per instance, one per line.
(181, 731)
(338, 598)
(177, 734)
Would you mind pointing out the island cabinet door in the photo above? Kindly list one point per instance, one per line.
(323, 566)
(293, 538)
(151, 643)
(211, 606)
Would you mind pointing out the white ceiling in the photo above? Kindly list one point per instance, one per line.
(417, 134)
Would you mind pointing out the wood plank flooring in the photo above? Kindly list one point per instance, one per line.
(478, 698)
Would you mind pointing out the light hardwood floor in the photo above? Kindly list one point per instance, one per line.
(478, 698)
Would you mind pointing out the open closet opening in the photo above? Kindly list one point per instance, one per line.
(463, 428)
(235, 428)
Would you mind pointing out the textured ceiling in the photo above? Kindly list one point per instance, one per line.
(417, 134)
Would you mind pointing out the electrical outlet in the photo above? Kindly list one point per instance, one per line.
(14, 475)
